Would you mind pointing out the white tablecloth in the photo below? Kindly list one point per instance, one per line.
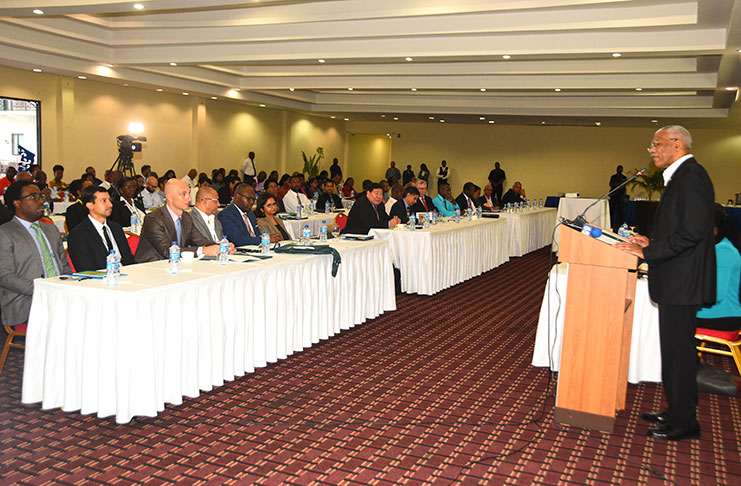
(58, 221)
(60, 207)
(645, 354)
(158, 337)
(570, 208)
(437, 258)
(529, 230)
(296, 226)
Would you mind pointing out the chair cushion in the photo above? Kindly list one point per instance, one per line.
(21, 327)
(727, 335)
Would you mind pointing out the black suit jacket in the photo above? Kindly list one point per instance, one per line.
(121, 214)
(362, 217)
(420, 208)
(324, 197)
(400, 209)
(88, 251)
(74, 215)
(463, 204)
(681, 253)
(512, 197)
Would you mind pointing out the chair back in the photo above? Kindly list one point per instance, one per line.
(341, 220)
(133, 241)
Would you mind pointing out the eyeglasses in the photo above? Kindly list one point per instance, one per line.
(249, 198)
(36, 196)
(210, 199)
(657, 144)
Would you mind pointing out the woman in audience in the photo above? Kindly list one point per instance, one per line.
(217, 181)
(127, 204)
(725, 314)
(170, 174)
(424, 172)
(283, 186)
(348, 190)
(267, 207)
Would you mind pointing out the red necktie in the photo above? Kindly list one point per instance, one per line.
(424, 203)
(247, 222)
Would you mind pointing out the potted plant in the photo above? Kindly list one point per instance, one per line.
(652, 182)
(311, 164)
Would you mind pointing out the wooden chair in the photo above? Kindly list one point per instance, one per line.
(13, 332)
(728, 339)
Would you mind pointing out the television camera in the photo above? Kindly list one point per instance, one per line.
(127, 145)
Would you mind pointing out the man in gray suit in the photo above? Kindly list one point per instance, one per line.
(204, 214)
(171, 223)
(30, 249)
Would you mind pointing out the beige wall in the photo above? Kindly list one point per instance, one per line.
(547, 160)
(369, 156)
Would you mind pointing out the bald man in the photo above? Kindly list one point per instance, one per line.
(172, 223)
(152, 197)
(204, 214)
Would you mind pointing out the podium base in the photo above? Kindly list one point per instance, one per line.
(584, 420)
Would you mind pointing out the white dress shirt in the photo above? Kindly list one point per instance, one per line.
(209, 223)
(290, 201)
(248, 167)
(99, 228)
(191, 183)
(669, 171)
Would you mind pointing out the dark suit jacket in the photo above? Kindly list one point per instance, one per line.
(463, 204)
(88, 251)
(420, 208)
(20, 263)
(158, 233)
(74, 215)
(512, 197)
(5, 214)
(121, 213)
(681, 254)
(235, 229)
(362, 217)
(225, 194)
(202, 227)
(324, 197)
(399, 209)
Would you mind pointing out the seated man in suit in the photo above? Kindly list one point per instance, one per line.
(204, 214)
(93, 239)
(238, 221)
(30, 250)
(369, 212)
(327, 196)
(406, 204)
(514, 195)
(171, 223)
(227, 190)
(466, 198)
(424, 204)
(294, 195)
(488, 200)
(76, 212)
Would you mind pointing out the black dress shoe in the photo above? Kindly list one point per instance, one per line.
(654, 417)
(667, 432)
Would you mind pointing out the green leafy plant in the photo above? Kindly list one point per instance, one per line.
(650, 183)
(311, 164)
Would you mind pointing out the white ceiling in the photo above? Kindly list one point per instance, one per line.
(677, 57)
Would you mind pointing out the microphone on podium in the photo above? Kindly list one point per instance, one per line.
(580, 221)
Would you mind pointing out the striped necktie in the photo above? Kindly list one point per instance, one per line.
(46, 257)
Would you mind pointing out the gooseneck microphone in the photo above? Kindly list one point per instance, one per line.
(580, 221)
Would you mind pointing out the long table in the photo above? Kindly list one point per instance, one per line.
(444, 255)
(645, 355)
(529, 230)
(158, 337)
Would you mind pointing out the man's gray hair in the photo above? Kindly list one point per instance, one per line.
(678, 132)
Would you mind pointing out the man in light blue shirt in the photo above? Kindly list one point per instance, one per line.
(444, 201)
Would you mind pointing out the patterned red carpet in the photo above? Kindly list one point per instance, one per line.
(439, 392)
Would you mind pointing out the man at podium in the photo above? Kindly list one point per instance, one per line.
(681, 275)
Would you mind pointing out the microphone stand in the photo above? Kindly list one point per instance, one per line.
(579, 221)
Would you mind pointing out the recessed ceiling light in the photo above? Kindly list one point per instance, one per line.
(81, 77)
(598, 123)
(126, 84)
(321, 60)
(482, 89)
(491, 121)
(616, 54)
(291, 89)
(347, 119)
(506, 56)
(542, 123)
(159, 90)
(383, 116)
(739, 51)
(333, 116)
(414, 89)
(408, 59)
(557, 90)
(109, 65)
(654, 121)
(639, 89)
(185, 93)
(442, 121)
(730, 88)
(396, 118)
(431, 117)
(482, 118)
(349, 89)
(262, 105)
(38, 11)
(214, 98)
(138, 6)
(36, 70)
(237, 89)
(173, 64)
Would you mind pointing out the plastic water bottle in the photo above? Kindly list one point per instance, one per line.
(265, 243)
(174, 259)
(479, 211)
(299, 209)
(623, 231)
(66, 196)
(433, 218)
(134, 223)
(47, 208)
(457, 215)
(311, 207)
(112, 269)
(540, 203)
(469, 214)
(327, 207)
(412, 222)
(323, 232)
(223, 251)
(426, 223)
(306, 235)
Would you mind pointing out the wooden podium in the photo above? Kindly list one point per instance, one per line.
(598, 321)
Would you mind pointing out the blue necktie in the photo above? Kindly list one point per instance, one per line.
(179, 232)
